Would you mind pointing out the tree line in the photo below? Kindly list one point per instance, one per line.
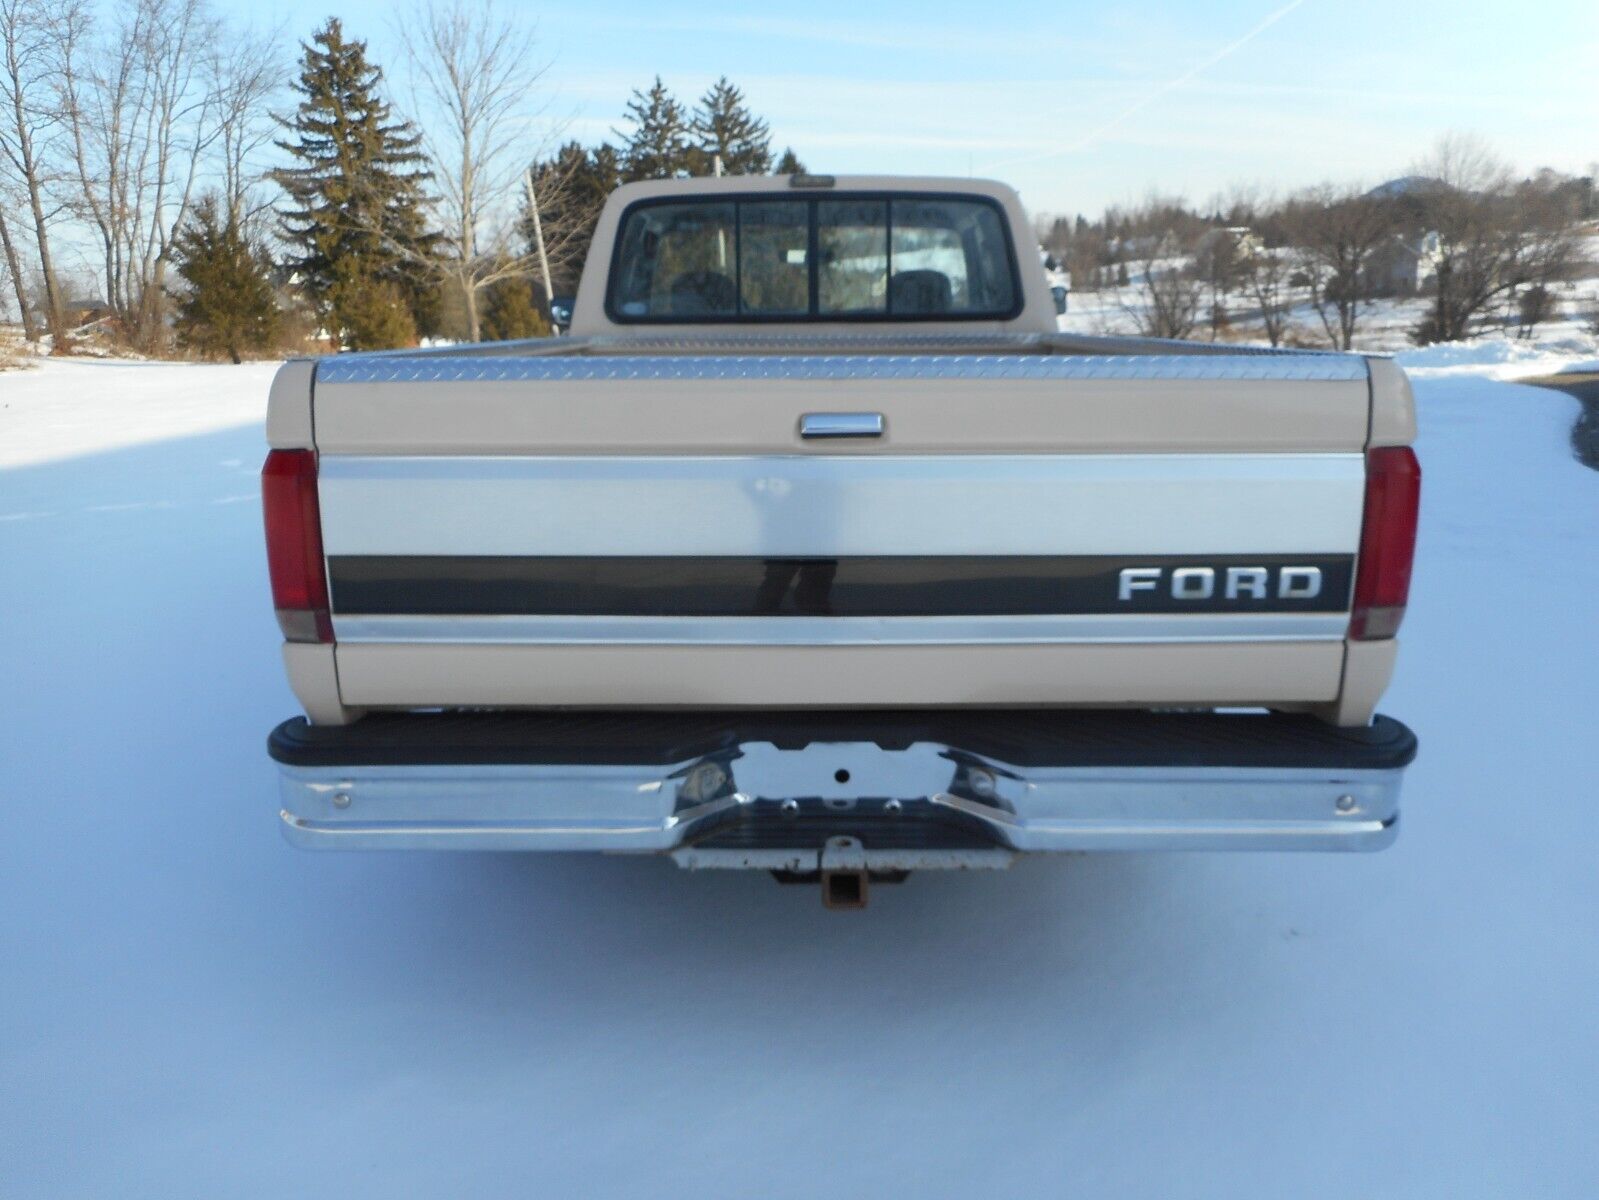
(1483, 248)
(141, 134)
(229, 214)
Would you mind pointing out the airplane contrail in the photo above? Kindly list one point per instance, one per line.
(1163, 90)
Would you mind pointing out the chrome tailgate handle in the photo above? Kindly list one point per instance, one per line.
(841, 425)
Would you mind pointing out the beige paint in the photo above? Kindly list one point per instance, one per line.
(313, 675)
(1271, 673)
(924, 416)
(588, 315)
(1368, 666)
(288, 422)
(1393, 404)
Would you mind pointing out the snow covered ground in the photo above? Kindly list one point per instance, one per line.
(61, 409)
(191, 1008)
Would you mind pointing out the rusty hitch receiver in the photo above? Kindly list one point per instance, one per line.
(845, 878)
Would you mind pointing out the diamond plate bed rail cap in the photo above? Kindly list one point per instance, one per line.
(359, 369)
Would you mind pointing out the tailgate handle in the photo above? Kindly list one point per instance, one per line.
(841, 425)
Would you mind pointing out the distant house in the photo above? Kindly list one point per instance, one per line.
(1402, 266)
(85, 311)
(1137, 249)
(1245, 242)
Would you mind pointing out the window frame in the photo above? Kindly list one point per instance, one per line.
(812, 316)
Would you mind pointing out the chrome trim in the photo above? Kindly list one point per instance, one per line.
(838, 505)
(808, 339)
(841, 425)
(359, 369)
(843, 631)
(664, 809)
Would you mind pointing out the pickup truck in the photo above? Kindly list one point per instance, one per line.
(817, 548)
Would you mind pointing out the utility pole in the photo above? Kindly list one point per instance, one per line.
(538, 240)
(721, 234)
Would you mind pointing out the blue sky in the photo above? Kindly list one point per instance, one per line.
(1081, 105)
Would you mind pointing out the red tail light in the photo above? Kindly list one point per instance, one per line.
(1387, 542)
(294, 545)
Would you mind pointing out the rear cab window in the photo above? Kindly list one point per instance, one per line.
(851, 257)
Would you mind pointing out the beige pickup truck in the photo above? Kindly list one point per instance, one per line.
(816, 548)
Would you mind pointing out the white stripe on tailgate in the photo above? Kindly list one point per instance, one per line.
(837, 506)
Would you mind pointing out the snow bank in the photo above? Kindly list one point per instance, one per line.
(1501, 358)
(192, 1008)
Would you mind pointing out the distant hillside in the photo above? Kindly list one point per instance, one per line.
(1407, 185)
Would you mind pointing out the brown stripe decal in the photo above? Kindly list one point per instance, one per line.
(909, 586)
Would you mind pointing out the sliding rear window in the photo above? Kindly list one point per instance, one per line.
(854, 257)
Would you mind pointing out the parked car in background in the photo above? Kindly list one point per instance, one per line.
(561, 312)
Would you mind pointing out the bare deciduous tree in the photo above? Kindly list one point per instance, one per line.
(27, 67)
(1169, 299)
(475, 75)
(30, 328)
(1267, 275)
(142, 102)
(244, 75)
(1495, 236)
(1166, 292)
(1219, 262)
(1336, 231)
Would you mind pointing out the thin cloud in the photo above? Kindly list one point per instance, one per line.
(1163, 90)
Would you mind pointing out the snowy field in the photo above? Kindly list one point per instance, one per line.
(1383, 327)
(191, 1008)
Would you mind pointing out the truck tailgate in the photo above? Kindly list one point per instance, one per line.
(655, 530)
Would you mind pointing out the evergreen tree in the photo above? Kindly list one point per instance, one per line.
(657, 147)
(509, 312)
(605, 169)
(789, 164)
(724, 126)
(373, 313)
(356, 215)
(228, 306)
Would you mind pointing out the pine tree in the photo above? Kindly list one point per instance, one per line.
(228, 306)
(789, 164)
(356, 213)
(509, 312)
(373, 313)
(724, 126)
(658, 145)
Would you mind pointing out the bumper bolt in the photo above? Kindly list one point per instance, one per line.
(981, 782)
(1346, 804)
(893, 807)
(790, 808)
(341, 799)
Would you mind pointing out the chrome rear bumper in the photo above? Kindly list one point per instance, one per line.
(755, 794)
